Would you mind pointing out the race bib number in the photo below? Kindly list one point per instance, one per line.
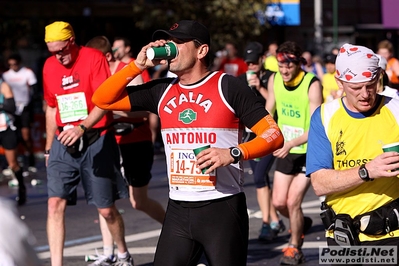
(185, 175)
(72, 107)
(290, 132)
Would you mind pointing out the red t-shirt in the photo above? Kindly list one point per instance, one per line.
(234, 67)
(140, 133)
(145, 74)
(120, 66)
(70, 89)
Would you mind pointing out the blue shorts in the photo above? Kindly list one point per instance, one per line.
(137, 160)
(261, 170)
(98, 167)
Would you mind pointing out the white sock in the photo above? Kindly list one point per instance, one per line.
(123, 255)
(108, 250)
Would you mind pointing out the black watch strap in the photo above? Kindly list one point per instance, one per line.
(236, 154)
(82, 127)
(364, 174)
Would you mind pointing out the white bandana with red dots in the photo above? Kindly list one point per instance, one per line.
(356, 64)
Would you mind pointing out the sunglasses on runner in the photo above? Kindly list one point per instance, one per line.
(63, 50)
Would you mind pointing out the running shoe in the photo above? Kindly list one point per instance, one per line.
(103, 260)
(266, 233)
(277, 227)
(32, 169)
(292, 256)
(125, 262)
(7, 172)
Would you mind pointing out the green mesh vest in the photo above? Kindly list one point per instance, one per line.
(293, 109)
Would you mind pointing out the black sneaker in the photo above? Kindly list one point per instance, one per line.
(266, 233)
(278, 227)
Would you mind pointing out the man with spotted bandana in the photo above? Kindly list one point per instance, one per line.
(294, 94)
(345, 154)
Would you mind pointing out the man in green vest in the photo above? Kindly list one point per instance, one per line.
(294, 94)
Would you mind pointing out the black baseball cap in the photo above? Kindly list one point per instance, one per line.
(253, 51)
(185, 30)
(330, 58)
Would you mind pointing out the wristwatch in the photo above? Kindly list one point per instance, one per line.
(364, 174)
(236, 154)
(82, 127)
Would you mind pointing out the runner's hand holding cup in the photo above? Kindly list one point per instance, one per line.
(391, 147)
(197, 151)
(251, 78)
(143, 62)
(168, 51)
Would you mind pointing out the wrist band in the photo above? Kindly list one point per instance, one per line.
(46, 152)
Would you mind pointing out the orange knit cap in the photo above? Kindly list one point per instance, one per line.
(58, 31)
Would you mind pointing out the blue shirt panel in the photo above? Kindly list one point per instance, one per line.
(319, 154)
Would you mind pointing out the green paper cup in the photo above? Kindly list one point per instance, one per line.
(249, 74)
(198, 150)
(169, 51)
(391, 147)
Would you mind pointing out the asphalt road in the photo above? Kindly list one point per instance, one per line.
(83, 234)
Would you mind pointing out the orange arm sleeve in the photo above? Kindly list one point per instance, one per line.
(111, 95)
(268, 139)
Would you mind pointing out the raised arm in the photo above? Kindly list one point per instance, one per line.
(271, 100)
(111, 95)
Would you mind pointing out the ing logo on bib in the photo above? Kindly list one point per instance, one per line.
(187, 116)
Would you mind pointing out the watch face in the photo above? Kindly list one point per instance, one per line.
(363, 173)
(236, 152)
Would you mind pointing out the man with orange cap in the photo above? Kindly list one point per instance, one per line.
(79, 145)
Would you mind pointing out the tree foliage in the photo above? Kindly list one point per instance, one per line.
(227, 20)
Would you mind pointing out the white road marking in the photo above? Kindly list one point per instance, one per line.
(306, 245)
(89, 248)
(306, 207)
(76, 248)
